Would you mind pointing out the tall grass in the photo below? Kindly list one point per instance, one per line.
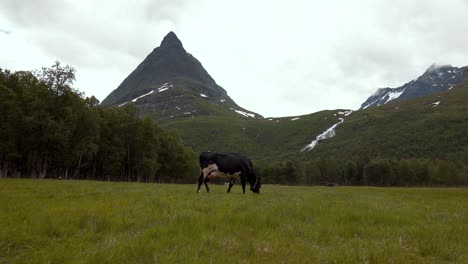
(97, 222)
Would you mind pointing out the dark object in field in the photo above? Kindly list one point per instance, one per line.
(332, 184)
(214, 165)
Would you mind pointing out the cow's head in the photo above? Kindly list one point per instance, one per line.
(256, 187)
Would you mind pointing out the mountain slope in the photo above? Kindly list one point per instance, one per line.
(272, 138)
(435, 79)
(433, 126)
(171, 83)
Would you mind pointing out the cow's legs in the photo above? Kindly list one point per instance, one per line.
(243, 183)
(231, 183)
(206, 184)
(200, 181)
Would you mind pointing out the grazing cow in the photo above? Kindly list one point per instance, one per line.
(214, 165)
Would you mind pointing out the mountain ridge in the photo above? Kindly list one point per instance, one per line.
(436, 78)
(432, 126)
(172, 83)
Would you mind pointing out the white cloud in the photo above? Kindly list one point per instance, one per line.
(300, 56)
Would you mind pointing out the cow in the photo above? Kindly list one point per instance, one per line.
(214, 165)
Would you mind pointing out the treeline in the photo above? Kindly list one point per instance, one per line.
(364, 171)
(49, 130)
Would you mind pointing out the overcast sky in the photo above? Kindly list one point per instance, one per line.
(276, 58)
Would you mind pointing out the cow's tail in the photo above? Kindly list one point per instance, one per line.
(256, 186)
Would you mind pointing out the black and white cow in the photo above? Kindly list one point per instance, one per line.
(214, 165)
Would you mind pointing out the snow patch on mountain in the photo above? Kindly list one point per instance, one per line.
(330, 132)
(345, 113)
(393, 95)
(165, 87)
(369, 104)
(244, 113)
(436, 78)
(160, 89)
(325, 135)
(385, 98)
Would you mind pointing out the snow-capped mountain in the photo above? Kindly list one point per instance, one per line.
(171, 83)
(435, 79)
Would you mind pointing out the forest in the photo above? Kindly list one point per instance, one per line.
(365, 171)
(48, 129)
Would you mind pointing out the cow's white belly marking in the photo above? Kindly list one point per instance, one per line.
(220, 174)
(212, 171)
(209, 168)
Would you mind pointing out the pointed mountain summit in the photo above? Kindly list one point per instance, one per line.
(171, 41)
(436, 78)
(171, 83)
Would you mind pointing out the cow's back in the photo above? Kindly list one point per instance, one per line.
(207, 158)
(232, 163)
(226, 162)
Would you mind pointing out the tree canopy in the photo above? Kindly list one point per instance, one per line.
(50, 130)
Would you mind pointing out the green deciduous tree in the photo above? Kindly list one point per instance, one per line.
(48, 130)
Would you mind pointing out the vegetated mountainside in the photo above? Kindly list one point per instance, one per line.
(435, 79)
(171, 86)
(170, 83)
(434, 126)
(272, 138)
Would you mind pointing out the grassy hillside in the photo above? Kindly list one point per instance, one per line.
(258, 138)
(408, 129)
(413, 128)
(99, 222)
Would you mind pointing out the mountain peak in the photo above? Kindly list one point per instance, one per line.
(435, 67)
(437, 78)
(171, 40)
(191, 90)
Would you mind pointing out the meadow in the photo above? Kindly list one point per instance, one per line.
(50, 221)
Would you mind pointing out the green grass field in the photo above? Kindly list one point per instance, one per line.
(98, 222)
